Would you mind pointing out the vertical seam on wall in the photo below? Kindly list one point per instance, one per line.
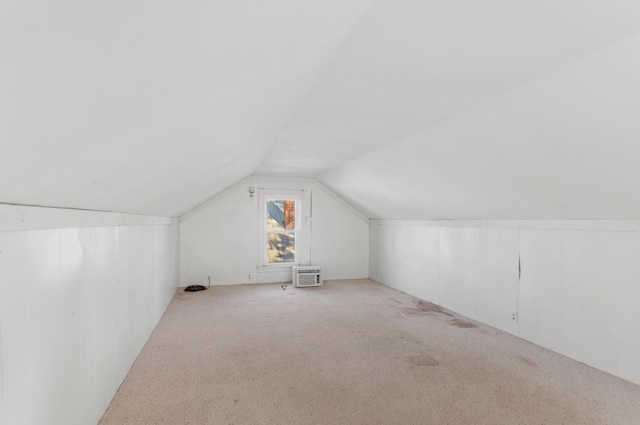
(616, 282)
(154, 288)
(310, 218)
(474, 272)
(61, 388)
(582, 354)
(439, 284)
(24, 246)
(519, 282)
(179, 249)
(113, 387)
(255, 228)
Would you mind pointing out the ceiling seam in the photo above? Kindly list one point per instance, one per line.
(315, 83)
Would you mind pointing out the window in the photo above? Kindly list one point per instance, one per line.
(281, 230)
(284, 228)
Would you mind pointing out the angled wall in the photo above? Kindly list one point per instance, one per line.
(220, 239)
(80, 293)
(573, 286)
(563, 146)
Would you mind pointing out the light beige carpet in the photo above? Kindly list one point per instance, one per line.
(352, 352)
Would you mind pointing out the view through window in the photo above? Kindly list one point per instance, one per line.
(281, 230)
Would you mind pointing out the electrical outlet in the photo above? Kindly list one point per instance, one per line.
(249, 277)
(514, 317)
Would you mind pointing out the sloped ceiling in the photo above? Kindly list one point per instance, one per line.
(457, 109)
(151, 106)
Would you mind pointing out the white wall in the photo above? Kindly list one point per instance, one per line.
(578, 293)
(77, 304)
(528, 152)
(220, 238)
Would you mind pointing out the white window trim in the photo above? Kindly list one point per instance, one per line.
(302, 224)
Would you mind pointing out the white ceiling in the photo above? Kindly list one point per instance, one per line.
(409, 109)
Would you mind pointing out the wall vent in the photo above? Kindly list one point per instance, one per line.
(307, 276)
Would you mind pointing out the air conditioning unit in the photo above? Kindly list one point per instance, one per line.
(307, 276)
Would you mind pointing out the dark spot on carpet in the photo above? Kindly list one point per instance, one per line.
(462, 323)
(410, 339)
(423, 308)
(423, 360)
(527, 360)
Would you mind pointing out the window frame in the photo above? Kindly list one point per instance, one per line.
(295, 230)
(301, 228)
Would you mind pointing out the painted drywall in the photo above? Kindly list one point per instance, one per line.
(562, 146)
(77, 304)
(410, 65)
(410, 108)
(573, 285)
(220, 239)
(31, 218)
(152, 108)
(339, 236)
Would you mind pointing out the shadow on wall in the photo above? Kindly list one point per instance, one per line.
(281, 237)
(281, 247)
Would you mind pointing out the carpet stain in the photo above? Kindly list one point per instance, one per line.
(462, 323)
(424, 308)
(182, 296)
(527, 360)
(423, 360)
(410, 339)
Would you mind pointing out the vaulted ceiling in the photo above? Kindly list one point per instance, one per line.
(413, 109)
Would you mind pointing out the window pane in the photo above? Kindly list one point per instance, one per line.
(281, 214)
(281, 247)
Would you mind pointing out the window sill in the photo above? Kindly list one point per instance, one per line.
(276, 268)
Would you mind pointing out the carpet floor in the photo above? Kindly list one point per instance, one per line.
(352, 352)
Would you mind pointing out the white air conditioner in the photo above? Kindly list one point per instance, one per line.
(307, 276)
